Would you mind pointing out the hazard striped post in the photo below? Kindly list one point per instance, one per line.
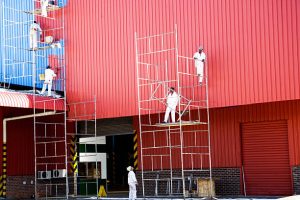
(4, 170)
(135, 150)
(1, 186)
(74, 161)
(73, 155)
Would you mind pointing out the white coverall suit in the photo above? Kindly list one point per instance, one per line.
(132, 182)
(49, 75)
(199, 64)
(33, 35)
(172, 101)
(44, 4)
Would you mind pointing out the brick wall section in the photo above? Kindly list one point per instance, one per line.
(55, 187)
(296, 179)
(227, 181)
(17, 190)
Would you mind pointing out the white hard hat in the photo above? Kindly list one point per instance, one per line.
(129, 168)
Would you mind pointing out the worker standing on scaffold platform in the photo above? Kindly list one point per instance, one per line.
(199, 58)
(33, 35)
(172, 101)
(49, 75)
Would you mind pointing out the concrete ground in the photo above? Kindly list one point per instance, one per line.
(295, 197)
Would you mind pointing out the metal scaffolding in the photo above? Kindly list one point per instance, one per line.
(64, 134)
(173, 155)
(24, 65)
(87, 162)
(20, 65)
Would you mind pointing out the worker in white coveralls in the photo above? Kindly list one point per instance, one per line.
(49, 75)
(44, 5)
(172, 101)
(199, 58)
(132, 182)
(34, 33)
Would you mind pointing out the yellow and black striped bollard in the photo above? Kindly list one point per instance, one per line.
(73, 155)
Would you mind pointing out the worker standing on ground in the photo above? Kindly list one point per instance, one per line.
(35, 30)
(132, 182)
(199, 58)
(172, 101)
(44, 5)
(49, 75)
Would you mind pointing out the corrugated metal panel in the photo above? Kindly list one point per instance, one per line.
(225, 130)
(18, 100)
(252, 48)
(9, 99)
(46, 103)
(20, 148)
(266, 158)
(15, 43)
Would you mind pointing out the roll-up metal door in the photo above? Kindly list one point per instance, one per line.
(266, 158)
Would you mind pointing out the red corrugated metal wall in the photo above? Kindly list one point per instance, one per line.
(252, 48)
(225, 130)
(20, 149)
(20, 146)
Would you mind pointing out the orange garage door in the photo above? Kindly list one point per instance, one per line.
(266, 158)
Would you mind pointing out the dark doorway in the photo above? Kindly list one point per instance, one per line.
(120, 156)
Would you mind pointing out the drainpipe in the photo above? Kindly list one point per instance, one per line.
(4, 155)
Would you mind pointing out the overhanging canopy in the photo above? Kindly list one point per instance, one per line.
(20, 100)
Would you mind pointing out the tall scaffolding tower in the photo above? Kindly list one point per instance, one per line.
(173, 155)
(87, 160)
(21, 65)
(24, 65)
(65, 165)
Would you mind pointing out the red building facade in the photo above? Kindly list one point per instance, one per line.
(252, 48)
(253, 55)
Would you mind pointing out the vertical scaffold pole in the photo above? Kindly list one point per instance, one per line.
(179, 111)
(139, 107)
